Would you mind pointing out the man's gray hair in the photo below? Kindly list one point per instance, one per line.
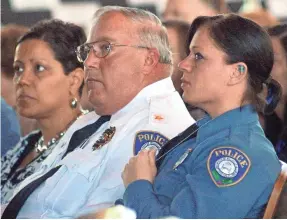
(150, 37)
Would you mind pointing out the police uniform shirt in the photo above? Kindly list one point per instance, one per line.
(90, 180)
(227, 171)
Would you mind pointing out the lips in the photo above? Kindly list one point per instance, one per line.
(90, 79)
(25, 101)
(24, 97)
(92, 83)
(184, 82)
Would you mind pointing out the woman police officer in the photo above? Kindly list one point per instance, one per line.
(225, 167)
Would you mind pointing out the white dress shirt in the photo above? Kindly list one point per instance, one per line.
(90, 180)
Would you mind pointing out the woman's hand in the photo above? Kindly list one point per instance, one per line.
(139, 167)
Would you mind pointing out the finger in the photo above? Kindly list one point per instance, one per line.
(143, 153)
(151, 156)
(123, 174)
(143, 157)
(124, 177)
(132, 160)
(125, 169)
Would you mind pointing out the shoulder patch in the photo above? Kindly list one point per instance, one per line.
(227, 166)
(149, 139)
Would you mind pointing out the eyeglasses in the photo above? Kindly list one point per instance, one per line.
(100, 48)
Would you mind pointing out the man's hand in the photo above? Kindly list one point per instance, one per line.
(139, 167)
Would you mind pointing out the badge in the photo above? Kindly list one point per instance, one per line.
(182, 158)
(105, 138)
(227, 166)
(149, 140)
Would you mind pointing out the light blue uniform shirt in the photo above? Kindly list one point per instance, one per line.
(229, 172)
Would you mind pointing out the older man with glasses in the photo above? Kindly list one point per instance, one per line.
(127, 64)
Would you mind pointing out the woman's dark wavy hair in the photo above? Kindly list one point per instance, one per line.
(243, 40)
(63, 38)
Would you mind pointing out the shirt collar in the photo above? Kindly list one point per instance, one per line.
(142, 99)
(208, 126)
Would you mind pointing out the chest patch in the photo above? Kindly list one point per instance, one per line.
(227, 166)
(149, 140)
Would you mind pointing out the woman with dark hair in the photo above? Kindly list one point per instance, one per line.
(224, 167)
(275, 123)
(48, 81)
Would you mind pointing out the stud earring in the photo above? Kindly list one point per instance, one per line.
(241, 68)
(74, 103)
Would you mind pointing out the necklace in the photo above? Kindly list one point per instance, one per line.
(41, 147)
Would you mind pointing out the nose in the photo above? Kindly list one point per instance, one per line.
(185, 65)
(23, 79)
(92, 61)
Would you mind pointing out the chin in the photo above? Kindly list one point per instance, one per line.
(95, 101)
(27, 113)
(98, 104)
(95, 96)
(186, 97)
(30, 111)
(191, 100)
(101, 110)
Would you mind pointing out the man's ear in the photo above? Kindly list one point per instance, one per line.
(239, 72)
(76, 80)
(151, 60)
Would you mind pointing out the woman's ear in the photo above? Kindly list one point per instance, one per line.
(238, 74)
(76, 80)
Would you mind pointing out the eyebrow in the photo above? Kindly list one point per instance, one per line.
(195, 47)
(17, 61)
(109, 39)
(30, 60)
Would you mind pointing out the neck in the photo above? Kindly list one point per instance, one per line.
(218, 108)
(58, 122)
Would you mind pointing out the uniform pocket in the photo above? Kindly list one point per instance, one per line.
(68, 190)
(84, 162)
